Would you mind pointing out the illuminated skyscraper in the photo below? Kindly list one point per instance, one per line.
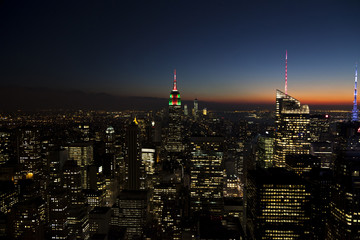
(174, 139)
(186, 111)
(72, 182)
(265, 151)
(165, 205)
(110, 140)
(196, 108)
(30, 151)
(130, 212)
(6, 149)
(278, 203)
(355, 110)
(207, 173)
(292, 135)
(83, 154)
(58, 210)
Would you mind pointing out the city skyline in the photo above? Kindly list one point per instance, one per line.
(231, 52)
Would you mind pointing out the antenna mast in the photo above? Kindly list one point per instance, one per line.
(286, 73)
(355, 110)
(175, 88)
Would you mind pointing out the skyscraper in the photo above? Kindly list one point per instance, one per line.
(196, 108)
(134, 169)
(344, 219)
(174, 139)
(292, 135)
(186, 111)
(83, 154)
(206, 187)
(27, 219)
(30, 151)
(278, 205)
(265, 151)
(58, 209)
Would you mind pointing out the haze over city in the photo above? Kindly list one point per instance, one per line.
(224, 51)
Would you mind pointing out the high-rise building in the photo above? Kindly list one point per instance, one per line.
(58, 209)
(7, 149)
(99, 220)
(56, 160)
(278, 205)
(292, 135)
(8, 195)
(110, 140)
(83, 154)
(207, 173)
(344, 219)
(165, 206)
(72, 182)
(325, 152)
(320, 128)
(135, 171)
(301, 163)
(196, 108)
(186, 110)
(27, 219)
(109, 158)
(30, 151)
(130, 212)
(174, 138)
(78, 222)
(265, 151)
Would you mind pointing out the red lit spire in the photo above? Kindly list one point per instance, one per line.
(175, 88)
(286, 73)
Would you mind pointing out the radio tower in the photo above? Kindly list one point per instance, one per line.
(286, 73)
(355, 109)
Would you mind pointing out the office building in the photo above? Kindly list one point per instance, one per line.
(292, 135)
(278, 205)
(265, 151)
(99, 220)
(83, 154)
(57, 210)
(27, 219)
(207, 173)
(130, 212)
(344, 219)
(134, 169)
(72, 182)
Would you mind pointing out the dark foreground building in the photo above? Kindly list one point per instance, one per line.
(278, 205)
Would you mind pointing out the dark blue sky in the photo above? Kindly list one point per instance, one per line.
(222, 50)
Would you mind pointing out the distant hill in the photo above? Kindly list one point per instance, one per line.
(26, 98)
(29, 98)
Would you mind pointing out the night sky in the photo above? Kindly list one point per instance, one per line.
(223, 51)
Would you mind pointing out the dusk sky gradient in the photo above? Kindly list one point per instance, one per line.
(224, 51)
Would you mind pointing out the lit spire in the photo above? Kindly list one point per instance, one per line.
(286, 73)
(355, 110)
(175, 88)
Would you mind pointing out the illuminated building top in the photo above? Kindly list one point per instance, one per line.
(175, 99)
(292, 134)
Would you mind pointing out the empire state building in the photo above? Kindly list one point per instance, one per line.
(174, 139)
